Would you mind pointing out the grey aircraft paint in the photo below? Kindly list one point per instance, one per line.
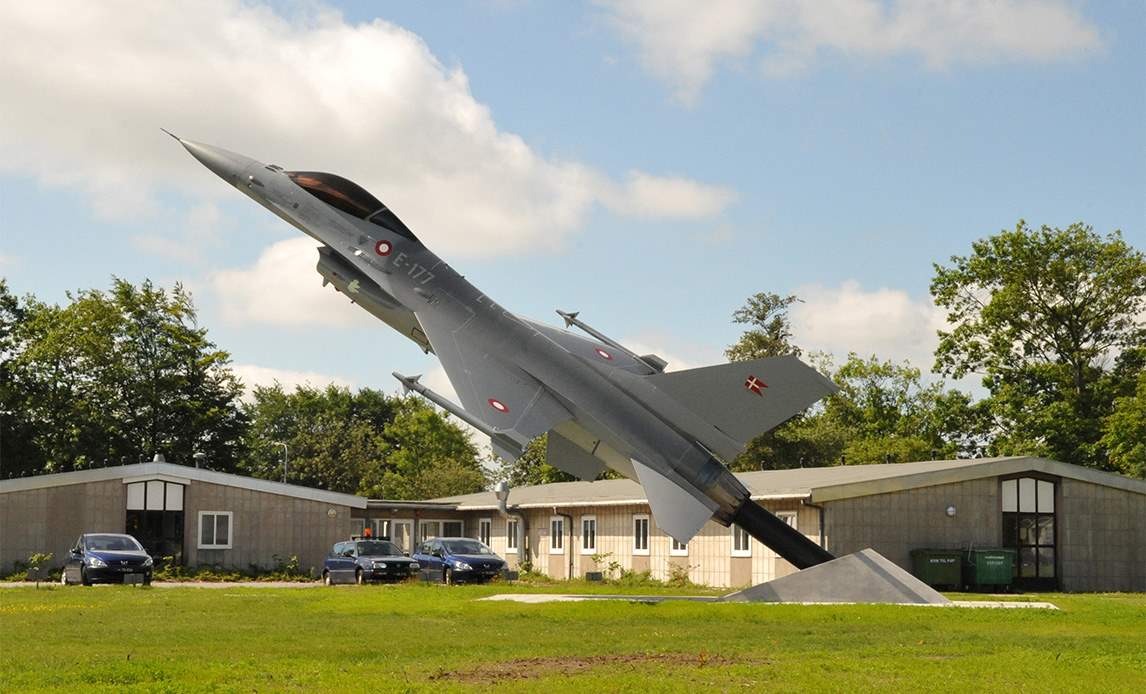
(602, 405)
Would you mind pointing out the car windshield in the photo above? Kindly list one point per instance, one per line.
(378, 548)
(112, 543)
(466, 547)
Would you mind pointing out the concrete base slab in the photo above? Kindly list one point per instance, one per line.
(862, 577)
(542, 598)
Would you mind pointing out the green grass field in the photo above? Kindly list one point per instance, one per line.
(424, 637)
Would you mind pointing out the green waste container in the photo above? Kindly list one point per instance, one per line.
(993, 568)
(937, 567)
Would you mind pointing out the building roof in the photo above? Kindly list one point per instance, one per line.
(815, 485)
(181, 474)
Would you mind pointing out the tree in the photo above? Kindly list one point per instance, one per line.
(1124, 432)
(362, 442)
(1051, 319)
(113, 377)
(531, 468)
(772, 332)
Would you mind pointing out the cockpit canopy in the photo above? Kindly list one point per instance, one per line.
(349, 197)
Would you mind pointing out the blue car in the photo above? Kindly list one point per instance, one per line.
(459, 559)
(364, 560)
(107, 558)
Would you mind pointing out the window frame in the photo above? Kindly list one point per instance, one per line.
(735, 531)
(485, 531)
(558, 537)
(511, 535)
(638, 551)
(591, 550)
(794, 515)
(215, 530)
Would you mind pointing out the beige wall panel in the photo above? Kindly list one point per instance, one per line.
(50, 520)
(1101, 538)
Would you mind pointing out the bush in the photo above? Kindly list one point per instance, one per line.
(36, 562)
(167, 569)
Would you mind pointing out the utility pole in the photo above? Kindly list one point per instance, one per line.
(286, 452)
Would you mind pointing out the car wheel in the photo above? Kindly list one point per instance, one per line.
(326, 579)
(84, 577)
(448, 576)
(359, 577)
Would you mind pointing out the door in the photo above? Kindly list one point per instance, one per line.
(429, 555)
(402, 534)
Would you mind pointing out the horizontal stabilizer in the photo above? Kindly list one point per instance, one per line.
(746, 398)
(677, 512)
(565, 455)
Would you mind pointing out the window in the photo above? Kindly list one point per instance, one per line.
(741, 542)
(485, 531)
(641, 534)
(379, 528)
(678, 549)
(452, 529)
(556, 535)
(788, 517)
(511, 536)
(215, 530)
(358, 526)
(588, 534)
(429, 529)
(1028, 506)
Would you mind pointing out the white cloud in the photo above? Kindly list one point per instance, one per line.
(199, 230)
(683, 42)
(88, 85)
(252, 375)
(652, 196)
(888, 323)
(282, 288)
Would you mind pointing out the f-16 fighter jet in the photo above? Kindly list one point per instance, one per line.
(602, 405)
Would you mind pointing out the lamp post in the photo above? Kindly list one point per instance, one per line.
(286, 452)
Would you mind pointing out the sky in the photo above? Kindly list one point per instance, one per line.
(650, 164)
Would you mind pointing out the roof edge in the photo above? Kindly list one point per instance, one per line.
(1006, 466)
(141, 471)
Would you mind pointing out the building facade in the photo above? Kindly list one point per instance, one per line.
(199, 517)
(1072, 528)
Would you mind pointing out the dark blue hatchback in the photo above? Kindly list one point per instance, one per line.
(107, 558)
(459, 559)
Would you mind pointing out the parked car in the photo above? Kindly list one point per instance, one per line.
(459, 559)
(363, 560)
(106, 558)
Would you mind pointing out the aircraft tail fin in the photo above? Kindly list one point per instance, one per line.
(747, 398)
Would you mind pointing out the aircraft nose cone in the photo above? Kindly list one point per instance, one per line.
(228, 166)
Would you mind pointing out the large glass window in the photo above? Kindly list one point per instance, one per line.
(485, 530)
(1028, 506)
(588, 534)
(155, 517)
(741, 542)
(556, 535)
(511, 535)
(215, 529)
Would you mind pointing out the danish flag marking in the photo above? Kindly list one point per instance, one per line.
(498, 405)
(755, 385)
(604, 355)
(383, 247)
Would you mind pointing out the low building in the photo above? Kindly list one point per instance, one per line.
(198, 516)
(1072, 528)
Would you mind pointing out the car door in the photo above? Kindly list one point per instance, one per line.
(426, 555)
(74, 561)
(341, 562)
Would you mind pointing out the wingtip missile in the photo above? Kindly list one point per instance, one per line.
(570, 317)
(409, 383)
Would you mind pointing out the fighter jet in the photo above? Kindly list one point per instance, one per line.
(602, 405)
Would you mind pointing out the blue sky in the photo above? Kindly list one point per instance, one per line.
(650, 164)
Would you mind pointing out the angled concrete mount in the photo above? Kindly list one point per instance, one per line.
(865, 576)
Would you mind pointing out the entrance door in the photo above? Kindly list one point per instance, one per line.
(402, 534)
(1029, 528)
(155, 518)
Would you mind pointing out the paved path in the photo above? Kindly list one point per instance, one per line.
(538, 598)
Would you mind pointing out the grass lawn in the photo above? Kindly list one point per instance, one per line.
(424, 637)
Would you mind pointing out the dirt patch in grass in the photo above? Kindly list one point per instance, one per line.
(531, 668)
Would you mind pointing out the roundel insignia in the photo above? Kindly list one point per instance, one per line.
(383, 247)
(604, 355)
(498, 405)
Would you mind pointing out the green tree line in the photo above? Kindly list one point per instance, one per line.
(1050, 320)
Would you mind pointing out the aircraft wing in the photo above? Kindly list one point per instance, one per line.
(501, 395)
(589, 349)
